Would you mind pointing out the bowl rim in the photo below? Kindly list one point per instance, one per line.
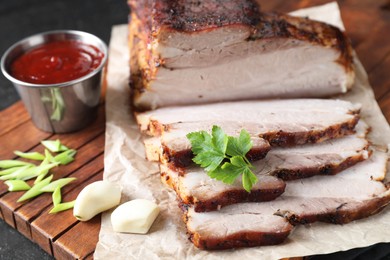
(103, 48)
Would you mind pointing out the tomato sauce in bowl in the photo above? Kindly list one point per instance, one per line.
(58, 76)
(56, 62)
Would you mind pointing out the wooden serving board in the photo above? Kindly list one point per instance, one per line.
(60, 235)
(367, 23)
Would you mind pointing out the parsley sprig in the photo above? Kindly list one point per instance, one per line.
(223, 156)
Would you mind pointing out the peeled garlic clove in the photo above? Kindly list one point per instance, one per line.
(135, 216)
(95, 198)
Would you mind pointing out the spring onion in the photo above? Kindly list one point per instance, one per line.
(54, 146)
(66, 157)
(56, 196)
(10, 170)
(36, 189)
(16, 173)
(62, 206)
(6, 164)
(58, 183)
(32, 155)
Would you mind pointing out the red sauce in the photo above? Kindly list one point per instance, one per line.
(56, 62)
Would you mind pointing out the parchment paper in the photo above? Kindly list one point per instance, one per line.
(125, 164)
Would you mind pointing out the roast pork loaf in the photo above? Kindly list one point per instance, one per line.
(353, 194)
(188, 52)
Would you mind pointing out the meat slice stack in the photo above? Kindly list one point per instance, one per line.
(193, 186)
(190, 52)
(303, 138)
(353, 194)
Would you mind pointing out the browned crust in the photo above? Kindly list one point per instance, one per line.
(167, 180)
(194, 16)
(138, 71)
(276, 25)
(286, 139)
(343, 214)
(328, 169)
(177, 159)
(142, 62)
(242, 239)
(234, 196)
(183, 158)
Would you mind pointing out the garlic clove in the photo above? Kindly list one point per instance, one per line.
(95, 198)
(135, 216)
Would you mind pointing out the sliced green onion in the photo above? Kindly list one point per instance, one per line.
(58, 104)
(40, 177)
(48, 156)
(27, 174)
(32, 155)
(43, 170)
(14, 175)
(54, 146)
(17, 185)
(36, 189)
(36, 171)
(5, 164)
(10, 170)
(58, 183)
(62, 206)
(65, 157)
(56, 196)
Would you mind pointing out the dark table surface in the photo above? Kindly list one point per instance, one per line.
(22, 18)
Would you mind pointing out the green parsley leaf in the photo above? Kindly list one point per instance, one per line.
(209, 160)
(219, 139)
(209, 149)
(248, 179)
(239, 146)
(200, 141)
(222, 156)
(228, 173)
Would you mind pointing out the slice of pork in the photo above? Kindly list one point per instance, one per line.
(348, 196)
(177, 150)
(193, 186)
(309, 112)
(179, 157)
(242, 54)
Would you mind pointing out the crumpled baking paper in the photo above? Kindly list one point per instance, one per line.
(125, 164)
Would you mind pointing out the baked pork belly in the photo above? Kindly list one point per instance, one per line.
(193, 186)
(279, 122)
(353, 194)
(214, 51)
